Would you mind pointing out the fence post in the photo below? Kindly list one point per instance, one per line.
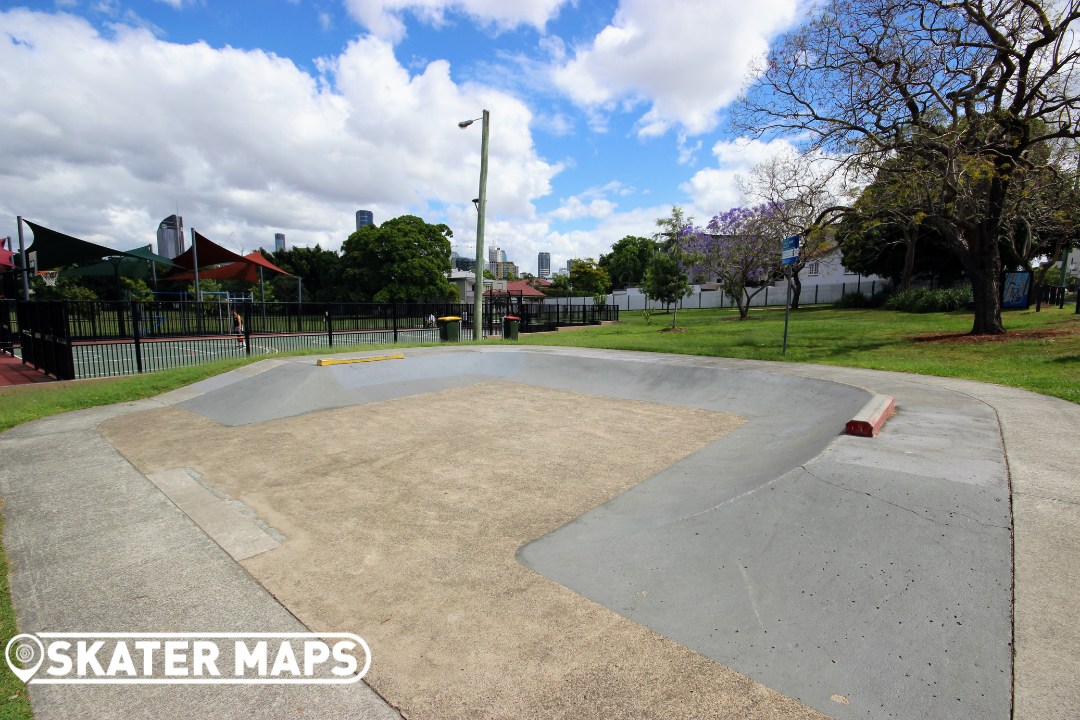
(69, 353)
(816, 288)
(393, 315)
(329, 327)
(247, 327)
(135, 317)
(766, 296)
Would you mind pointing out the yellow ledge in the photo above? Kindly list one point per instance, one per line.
(327, 361)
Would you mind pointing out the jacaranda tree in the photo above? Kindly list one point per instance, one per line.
(740, 249)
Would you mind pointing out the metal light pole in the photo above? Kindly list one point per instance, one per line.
(478, 291)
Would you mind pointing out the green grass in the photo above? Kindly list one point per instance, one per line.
(1041, 353)
(14, 700)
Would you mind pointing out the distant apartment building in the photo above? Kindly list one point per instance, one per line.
(503, 270)
(543, 265)
(279, 242)
(170, 237)
(364, 217)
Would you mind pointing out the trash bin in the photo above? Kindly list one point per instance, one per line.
(510, 327)
(449, 328)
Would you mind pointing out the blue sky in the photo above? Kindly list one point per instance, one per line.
(255, 117)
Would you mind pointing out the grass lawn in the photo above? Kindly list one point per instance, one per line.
(1040, 352)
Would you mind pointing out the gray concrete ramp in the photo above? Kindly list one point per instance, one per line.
(793, 569)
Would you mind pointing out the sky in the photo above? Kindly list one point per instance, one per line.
(254, 117)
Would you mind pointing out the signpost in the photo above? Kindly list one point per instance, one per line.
(789, 255)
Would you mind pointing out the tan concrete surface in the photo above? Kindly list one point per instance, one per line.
(402, 521)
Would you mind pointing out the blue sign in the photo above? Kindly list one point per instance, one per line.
(789, 250)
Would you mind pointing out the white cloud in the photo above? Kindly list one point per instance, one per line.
(245, 143)
(384, 17)
(716, 189)
(574, 208)
(684, 61)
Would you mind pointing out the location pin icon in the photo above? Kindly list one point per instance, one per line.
(24, 654)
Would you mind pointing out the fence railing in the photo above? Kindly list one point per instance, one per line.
(85, 339)
(771, 296)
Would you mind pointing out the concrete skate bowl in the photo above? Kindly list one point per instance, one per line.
(537, 533)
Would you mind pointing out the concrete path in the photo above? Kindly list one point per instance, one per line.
(911, 527)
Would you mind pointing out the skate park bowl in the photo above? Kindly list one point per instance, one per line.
(533, 532)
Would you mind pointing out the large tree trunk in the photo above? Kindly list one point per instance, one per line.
(796, 290)
(984, 269)
(909, 258)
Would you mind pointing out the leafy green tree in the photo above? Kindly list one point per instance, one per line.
(402, 260)
(64, 289)
(665, 281)
(319, 272)
(671, 229)
(888, 232)
(560, 287)
(626, 262)
(588, 278)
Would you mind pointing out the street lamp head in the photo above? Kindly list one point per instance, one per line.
(466, 123)
(476, 202)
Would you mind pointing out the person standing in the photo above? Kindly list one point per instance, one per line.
(238, 328)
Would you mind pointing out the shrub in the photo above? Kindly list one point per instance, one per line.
(854, 300)
(924, 300)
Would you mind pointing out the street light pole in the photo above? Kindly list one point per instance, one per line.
(481, 206)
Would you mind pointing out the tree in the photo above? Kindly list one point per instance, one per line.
(560, 287)
(319, 272)
(967, 89)
(626, 262)
(402, 260)
(671, 229)
(588, 278)
(885, 232)
(796, 186)
(665, 281)
(738, 249)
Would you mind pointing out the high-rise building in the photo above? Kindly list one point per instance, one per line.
(170, 237)
(279, 242)
(496, 255)
(543, 265)
(364, 217)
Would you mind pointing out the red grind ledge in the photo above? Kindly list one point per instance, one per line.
(869, 421)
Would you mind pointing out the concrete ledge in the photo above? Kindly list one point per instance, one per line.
(327, 361)
(869, 420)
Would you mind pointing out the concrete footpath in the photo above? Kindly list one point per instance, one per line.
(713, 554)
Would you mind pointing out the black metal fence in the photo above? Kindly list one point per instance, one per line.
(86, 339)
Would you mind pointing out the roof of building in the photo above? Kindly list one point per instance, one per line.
(518, 287)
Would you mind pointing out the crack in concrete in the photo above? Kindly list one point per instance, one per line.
(901, 507)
